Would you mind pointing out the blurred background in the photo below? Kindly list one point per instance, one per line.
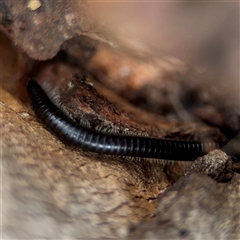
(202, 34)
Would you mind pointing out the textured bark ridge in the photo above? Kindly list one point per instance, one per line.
(195, 207)
(69, 193)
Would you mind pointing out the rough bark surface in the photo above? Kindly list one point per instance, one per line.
(50, 191)
(64, 20)
(196, 207)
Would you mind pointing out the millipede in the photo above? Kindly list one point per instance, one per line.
(79, 136)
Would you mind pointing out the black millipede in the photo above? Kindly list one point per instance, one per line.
(76, 135)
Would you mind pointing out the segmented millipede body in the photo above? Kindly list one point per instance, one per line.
(76, 135)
